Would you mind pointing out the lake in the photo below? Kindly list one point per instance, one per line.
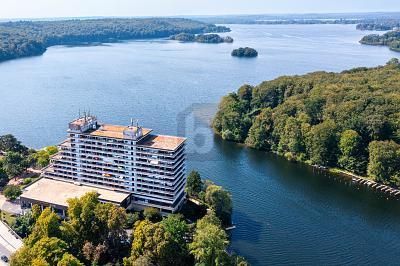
(285, 213)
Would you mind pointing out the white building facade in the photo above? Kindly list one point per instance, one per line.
(123, 158)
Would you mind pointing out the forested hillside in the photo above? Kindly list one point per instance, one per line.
(390, 39)
(27, 38)
(349, 120)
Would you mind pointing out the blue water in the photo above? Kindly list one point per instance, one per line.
(285, 213)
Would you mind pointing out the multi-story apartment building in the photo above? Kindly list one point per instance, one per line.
(123, 158)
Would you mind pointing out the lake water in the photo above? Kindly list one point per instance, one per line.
(285, 213)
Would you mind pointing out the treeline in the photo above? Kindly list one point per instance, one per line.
(349, 120)
(28, 38)
(201, 38)
(96, 234)
(332, 18)
(379, 25)
(390, 39)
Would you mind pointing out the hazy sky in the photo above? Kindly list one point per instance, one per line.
(75, 8)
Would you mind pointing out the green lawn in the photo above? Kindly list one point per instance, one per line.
(7, 217)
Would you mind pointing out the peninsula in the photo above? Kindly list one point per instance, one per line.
(390, 39)
(30, 38)
(345, 120)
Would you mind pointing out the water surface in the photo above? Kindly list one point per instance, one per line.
(285, 213)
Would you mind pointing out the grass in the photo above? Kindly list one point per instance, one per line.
(32, 180)
(8, 217)
(339, 171)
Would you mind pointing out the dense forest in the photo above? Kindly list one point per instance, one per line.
(28, 38)
(201, 38)
(390, 39)
(349, 120)
(244, 52)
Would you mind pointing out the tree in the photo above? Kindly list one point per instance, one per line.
(151, 240)
(51, 150)
(3, 177)
(323, 143)
(97, 223)
(209, 243)
(220, 201)
(291, 141)
(352, 156)
(384, 162)
(23, 224)
(47, 225)
(93, 253)
(178, 230)
(245, 93)
(69, 260)
(152, 214)
(10, 143)
(50, 249)
(141, 261)
(46, 251)
(42, 157)
(14, 164)
(12, 192)
(131, 219)
(260, 132)
(193, 184)
(21, 257)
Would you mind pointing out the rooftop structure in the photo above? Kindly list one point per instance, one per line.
(52, 193)
(129, 159)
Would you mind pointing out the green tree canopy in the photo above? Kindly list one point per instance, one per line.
(352, 154)
(14, 164)
(10, 143)
(220, 201)
(12, 192)
(308, 118)
(384, 162)
(152, 214)
(209, 243)
(193, 184)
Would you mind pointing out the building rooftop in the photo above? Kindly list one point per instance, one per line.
(58, 192)
(162, 142)
(114, 131)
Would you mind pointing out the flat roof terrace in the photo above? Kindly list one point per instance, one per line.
(162, 142)
(56, 192)
(114, 131)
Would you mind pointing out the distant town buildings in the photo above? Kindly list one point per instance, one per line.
(126, 165)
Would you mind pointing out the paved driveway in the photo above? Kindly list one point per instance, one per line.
(8, 206)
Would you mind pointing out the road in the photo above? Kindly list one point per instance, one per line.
(9, 243)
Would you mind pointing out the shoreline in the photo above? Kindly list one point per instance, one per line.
(343, 174)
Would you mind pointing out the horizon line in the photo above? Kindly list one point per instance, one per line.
(198, 15)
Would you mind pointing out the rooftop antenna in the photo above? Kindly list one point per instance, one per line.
(137, 123)
(131, 122)
(79, 113)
